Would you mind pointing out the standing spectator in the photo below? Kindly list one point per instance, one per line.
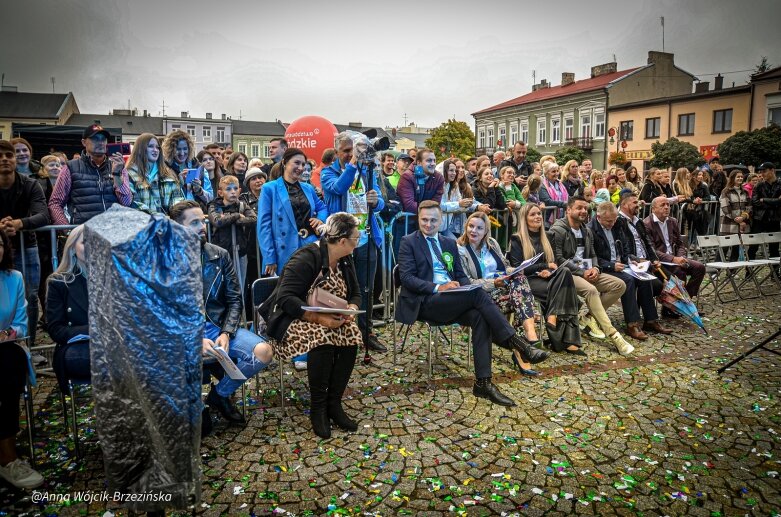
(212, 169)
(586, 167)
(521, 168)
(668, 245)
(154, 185)
(598, 187)
(179, 151)
(13, 359)
(253, 183)
(90, 184)
(24, 158)
(751, 182)
(326, 161)
(387, 188)
(346, 189)
(573, 244)
(423, 184)
(624, 183)
(289, 214)
(22, 207)
(403, 164)
(531, 192)
(553, 193)
(455, 201)
(487, 194)
(718, 178)
(735, 205)
(237, 166)
(218, 171)
(633, 177)
(496, 159)
(700, 193)
(507, 186)
(570, 177)
(471, 170)
(766, 199)
(276, 149)
(230, 217)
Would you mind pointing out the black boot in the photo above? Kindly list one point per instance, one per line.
(344, 361)
(225, 407)
(528, 352)
(485, 389)
(320, 364)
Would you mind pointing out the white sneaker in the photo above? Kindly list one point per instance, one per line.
(37, 359)
(21, 475)
(299, 365)
(587, 321)
(624, 348)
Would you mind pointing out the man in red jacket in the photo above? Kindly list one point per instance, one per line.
(423, 184)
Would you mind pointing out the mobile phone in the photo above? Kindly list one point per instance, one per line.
(118, 147)
(190, 175)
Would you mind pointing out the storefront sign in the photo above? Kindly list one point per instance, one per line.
(709, 151)
(639, 155)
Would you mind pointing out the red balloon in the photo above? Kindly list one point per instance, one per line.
(311, 134)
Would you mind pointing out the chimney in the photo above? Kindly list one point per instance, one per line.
(607, 68)
(223, 117)
(543, 84)
(209, 116)
(718, 82)
(701, 87)
(655, 57)
(567, 78)
(355, 124)
(393, 131)
(145, 113)
(185, 114)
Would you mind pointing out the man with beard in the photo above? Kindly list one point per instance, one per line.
(222, 310)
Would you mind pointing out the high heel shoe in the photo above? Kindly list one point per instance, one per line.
(524, 371)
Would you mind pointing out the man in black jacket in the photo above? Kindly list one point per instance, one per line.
(518, 162)
(614, 246)
(22, 207)
(766, 200)
(222, 304)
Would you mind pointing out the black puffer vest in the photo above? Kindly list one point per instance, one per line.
(92, 189)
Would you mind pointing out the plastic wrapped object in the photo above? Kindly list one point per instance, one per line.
(146, 326)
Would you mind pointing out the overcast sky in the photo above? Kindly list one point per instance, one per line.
(359, 61)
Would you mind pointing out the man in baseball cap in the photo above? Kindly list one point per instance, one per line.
(93, 130)
(766, 200)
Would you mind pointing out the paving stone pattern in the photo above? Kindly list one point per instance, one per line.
(657, 433)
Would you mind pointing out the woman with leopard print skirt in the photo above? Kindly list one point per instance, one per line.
(331, 340)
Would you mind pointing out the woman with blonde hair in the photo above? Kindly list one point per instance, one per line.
(155, 186)
(67, 310)
(553, 192)
(485, 265)
(552, 286)
(599, 187)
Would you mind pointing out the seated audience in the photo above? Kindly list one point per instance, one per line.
(13, 368)
(485, 265)
(428, 267)
(668, 245)
(330, 340)
(573, 245)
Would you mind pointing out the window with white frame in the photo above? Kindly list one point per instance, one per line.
(174, 127)
(513, 134)
(525, 131)
(207, 133)
(255, 148)
(569, 127)
(541, 131)
(481, 137)
(191, 130)
(266, 150)
(585, 125)
(555, 130)
(774, 116)
(599, 125)
(490, 137)
(243, 147)
(220, 134)
(503, 135)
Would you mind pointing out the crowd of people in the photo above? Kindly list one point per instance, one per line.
(578, 234)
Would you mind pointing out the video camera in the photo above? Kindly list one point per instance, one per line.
(366, 145)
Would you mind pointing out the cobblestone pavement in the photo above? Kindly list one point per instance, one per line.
(656, 433)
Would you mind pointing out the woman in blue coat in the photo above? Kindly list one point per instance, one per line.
(289, 213)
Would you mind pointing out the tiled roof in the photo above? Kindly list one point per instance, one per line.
(31, 105)
(133, 125)
(553, 92)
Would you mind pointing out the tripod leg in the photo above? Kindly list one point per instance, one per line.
(752, 350)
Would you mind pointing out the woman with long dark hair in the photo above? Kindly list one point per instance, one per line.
(155, 186)
(456, 200)
(237, 166)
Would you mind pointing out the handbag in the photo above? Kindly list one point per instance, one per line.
(319, 297)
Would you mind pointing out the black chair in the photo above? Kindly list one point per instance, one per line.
(261, 290)
(28, 402)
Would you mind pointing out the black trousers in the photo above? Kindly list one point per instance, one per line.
(639, 294)
(13, 375)
(474, 309)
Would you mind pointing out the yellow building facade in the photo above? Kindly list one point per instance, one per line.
(703, 119)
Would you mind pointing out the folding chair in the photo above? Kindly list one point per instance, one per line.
(261, 290)
(429, 325)
(758, 240)
(711, 247)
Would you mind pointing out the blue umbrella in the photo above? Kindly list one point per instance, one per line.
(675, 297)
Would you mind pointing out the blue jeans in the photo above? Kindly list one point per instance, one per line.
(241, 350)
(32, 279)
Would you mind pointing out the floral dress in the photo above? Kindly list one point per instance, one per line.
(302, 336)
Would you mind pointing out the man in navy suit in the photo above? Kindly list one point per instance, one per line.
(429, 266)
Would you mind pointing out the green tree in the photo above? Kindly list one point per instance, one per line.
(752, 147)
(532, 154)
(566, 154)
(452, 137)
(675, 153)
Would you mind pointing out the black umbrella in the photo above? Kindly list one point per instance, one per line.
(730, 168)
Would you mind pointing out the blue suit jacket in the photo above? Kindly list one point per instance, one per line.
(277, 233)
(416, 273)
